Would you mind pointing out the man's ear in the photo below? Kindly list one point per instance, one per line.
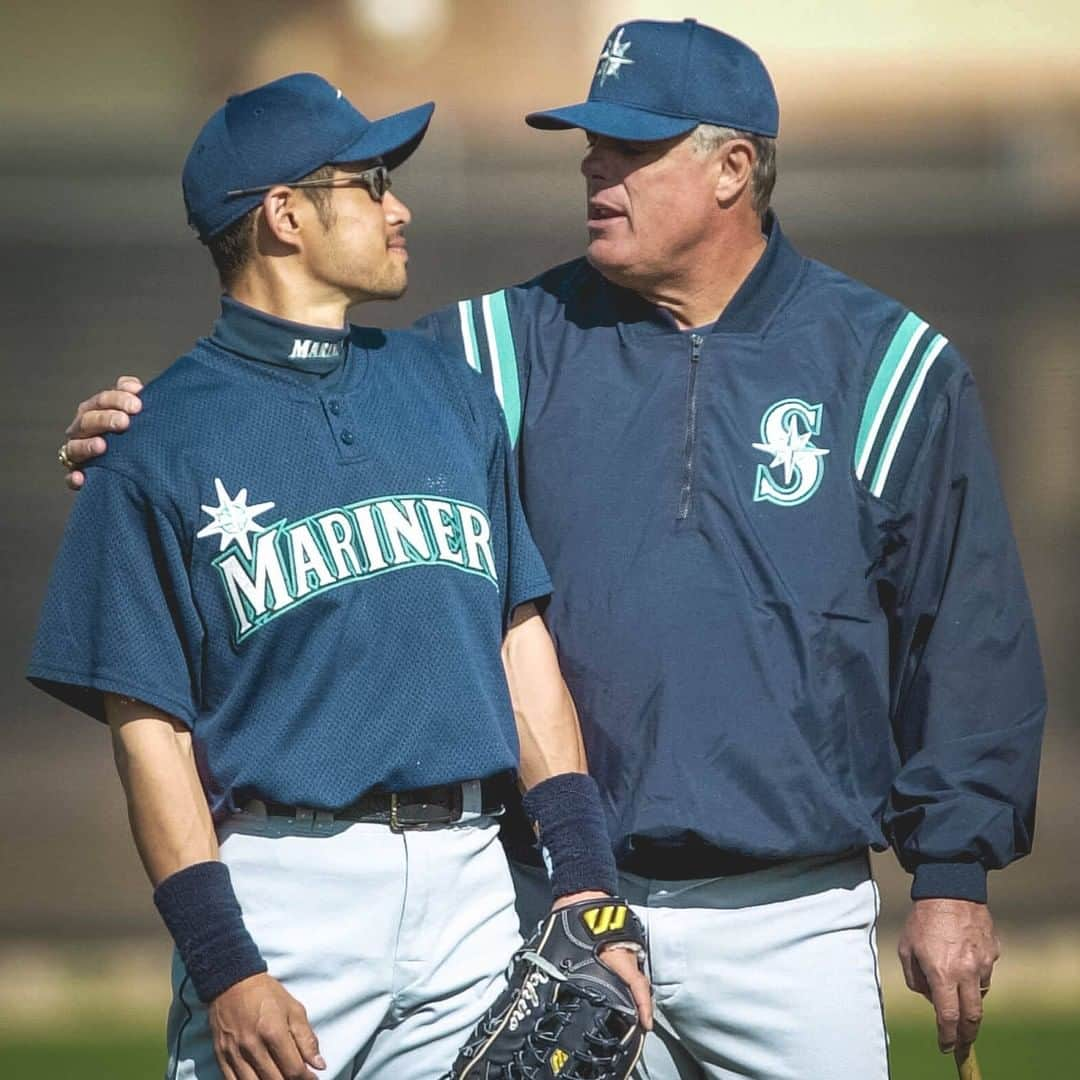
(280, 216)
(736, 164)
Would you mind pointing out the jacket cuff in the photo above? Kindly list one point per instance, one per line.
(950, 881)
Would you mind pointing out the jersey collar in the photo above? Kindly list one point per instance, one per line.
(258, 335)
(765, 287)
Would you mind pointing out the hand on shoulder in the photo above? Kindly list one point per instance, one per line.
(104, 413)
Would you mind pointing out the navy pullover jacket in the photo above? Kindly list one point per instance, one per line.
(787, 599)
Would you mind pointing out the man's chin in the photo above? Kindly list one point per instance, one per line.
(385, 290)
(396, 291)
(397, 283)
(602, 258)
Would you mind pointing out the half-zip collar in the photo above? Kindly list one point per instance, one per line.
(258, 335)
(750, 309)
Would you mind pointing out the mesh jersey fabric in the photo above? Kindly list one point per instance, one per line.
(313, 575)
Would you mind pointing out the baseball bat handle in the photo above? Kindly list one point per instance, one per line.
(967, 1067)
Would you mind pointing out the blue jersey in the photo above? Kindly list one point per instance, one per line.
(306, 550)
(787, 599)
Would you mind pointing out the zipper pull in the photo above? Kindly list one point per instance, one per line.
(696, 341)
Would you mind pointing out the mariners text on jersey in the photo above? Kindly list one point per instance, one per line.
(289, 563)
(787, 598)
(309, 561)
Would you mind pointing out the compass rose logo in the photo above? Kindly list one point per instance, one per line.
(233, 519)
(787, 429)
(613, 57)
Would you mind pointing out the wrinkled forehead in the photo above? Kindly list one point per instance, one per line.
(665, 159)
(654, 147)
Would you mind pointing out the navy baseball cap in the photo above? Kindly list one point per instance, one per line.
(279, 133)
(656, 80)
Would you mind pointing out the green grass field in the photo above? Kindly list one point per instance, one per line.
(1010, 1048)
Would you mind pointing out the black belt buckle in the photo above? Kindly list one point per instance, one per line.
(441, 807)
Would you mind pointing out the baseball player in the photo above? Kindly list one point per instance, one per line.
(787, 599)
(287, 593)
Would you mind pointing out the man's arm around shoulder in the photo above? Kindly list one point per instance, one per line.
(108, 412)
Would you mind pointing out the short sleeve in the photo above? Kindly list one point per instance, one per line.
(118, 615)
(524, 576)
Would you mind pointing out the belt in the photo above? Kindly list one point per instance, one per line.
(689, 861)
(422, 808)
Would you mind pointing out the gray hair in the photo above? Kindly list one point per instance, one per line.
(708, 137)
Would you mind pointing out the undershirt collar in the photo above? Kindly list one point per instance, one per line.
(258, 335)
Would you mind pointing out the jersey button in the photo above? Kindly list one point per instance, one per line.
(334, 406)
(347, 438)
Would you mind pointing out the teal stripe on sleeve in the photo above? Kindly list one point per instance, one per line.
(900, 421)
(468, 334)
(884, 387)
(503, 360)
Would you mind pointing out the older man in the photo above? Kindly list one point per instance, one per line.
(787, 598)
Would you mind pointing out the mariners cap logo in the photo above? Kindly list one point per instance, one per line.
(613, 57)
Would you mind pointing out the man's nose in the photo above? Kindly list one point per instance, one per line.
(396, 212)
(596, 165)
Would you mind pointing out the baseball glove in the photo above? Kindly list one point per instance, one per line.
(565, 1014)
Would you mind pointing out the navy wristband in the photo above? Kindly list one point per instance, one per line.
(949, 881)
(202, 913)
(570, 818)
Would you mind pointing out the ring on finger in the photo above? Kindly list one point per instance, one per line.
(63, 458)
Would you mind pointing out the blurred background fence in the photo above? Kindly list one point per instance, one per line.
(930, 147)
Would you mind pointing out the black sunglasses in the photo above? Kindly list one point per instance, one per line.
(376, 180)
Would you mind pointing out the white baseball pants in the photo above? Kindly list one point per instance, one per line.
(395, 943)
(770, 975)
